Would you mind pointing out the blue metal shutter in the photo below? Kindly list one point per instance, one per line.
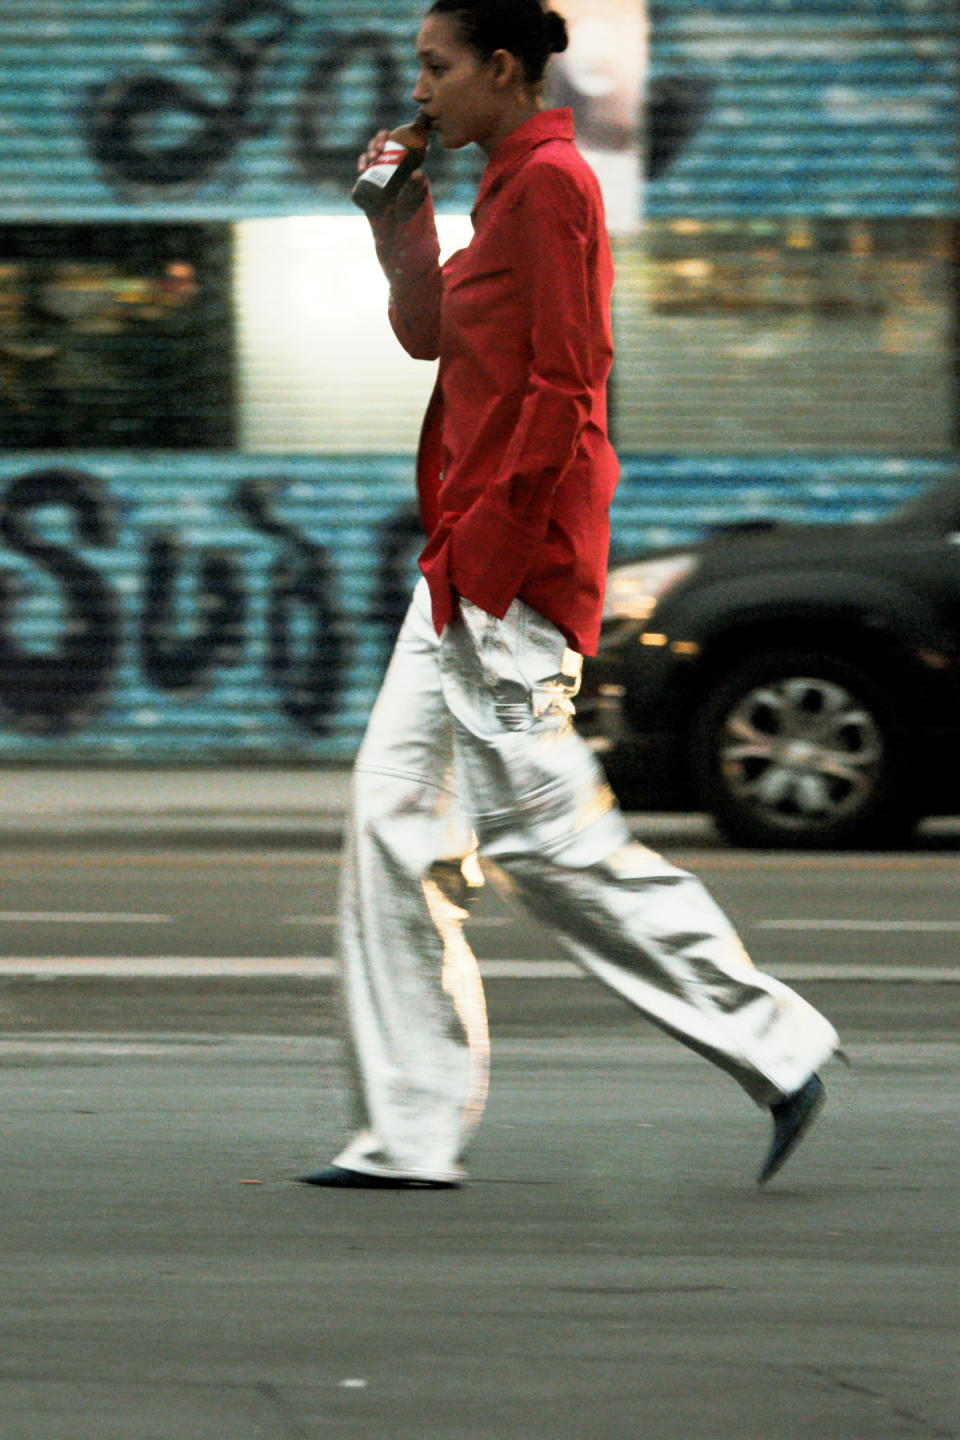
(808, 107)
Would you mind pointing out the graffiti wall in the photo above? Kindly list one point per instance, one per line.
(206, 108)
(829, 107)
(232, 108)
(198, 608)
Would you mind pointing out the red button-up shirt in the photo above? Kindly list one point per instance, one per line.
(515, 472)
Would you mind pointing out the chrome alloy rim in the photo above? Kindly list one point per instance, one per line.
(802, 750)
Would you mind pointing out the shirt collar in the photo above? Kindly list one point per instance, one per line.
(545, 125)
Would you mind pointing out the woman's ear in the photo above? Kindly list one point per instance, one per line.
(506, 70)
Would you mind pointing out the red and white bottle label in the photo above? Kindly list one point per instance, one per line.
(386, 163)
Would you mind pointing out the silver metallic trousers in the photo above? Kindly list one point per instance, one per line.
(472, 732)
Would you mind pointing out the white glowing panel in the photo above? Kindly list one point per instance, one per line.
(319, 367)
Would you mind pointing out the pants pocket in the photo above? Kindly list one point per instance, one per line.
(528, 670)
(499, 647)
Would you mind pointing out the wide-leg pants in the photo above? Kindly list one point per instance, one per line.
(475, 726)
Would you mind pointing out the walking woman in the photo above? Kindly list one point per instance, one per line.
(515, 476)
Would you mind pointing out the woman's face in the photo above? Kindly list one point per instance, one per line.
(455, 87)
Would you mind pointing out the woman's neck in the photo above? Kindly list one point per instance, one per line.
(511, 120)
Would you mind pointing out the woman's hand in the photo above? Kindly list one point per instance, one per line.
(415, 188)
(373, 151)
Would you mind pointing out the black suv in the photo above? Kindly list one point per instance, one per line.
(799, 683)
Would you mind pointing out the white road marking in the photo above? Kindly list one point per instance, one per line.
(103, 917)
(919, 927)
(166, 967)
(80, 917)
(899, 974)
(478, 923)
(300, 967)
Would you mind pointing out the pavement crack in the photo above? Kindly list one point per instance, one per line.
(899, 1412)
(276, 1398)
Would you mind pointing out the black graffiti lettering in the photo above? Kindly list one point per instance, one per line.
(129, 117)
(174, 662)
(53, 694)
(269, 24)
(121, 113)
(150, 133)
(676, 106)
(196, 607)
(318, 111)
(306, 644)
(307, 648)
(399, 542)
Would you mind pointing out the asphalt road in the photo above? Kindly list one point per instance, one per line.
(169, 1064)
(244, 936)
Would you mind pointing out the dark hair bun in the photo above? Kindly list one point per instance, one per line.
(558, 36)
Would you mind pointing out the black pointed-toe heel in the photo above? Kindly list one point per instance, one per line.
(336, 1177)
(792, 1119)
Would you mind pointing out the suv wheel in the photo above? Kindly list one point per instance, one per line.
(798, 749)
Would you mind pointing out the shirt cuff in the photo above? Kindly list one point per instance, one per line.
(406, 245)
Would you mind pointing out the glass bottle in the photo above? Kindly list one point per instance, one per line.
(402, 153)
